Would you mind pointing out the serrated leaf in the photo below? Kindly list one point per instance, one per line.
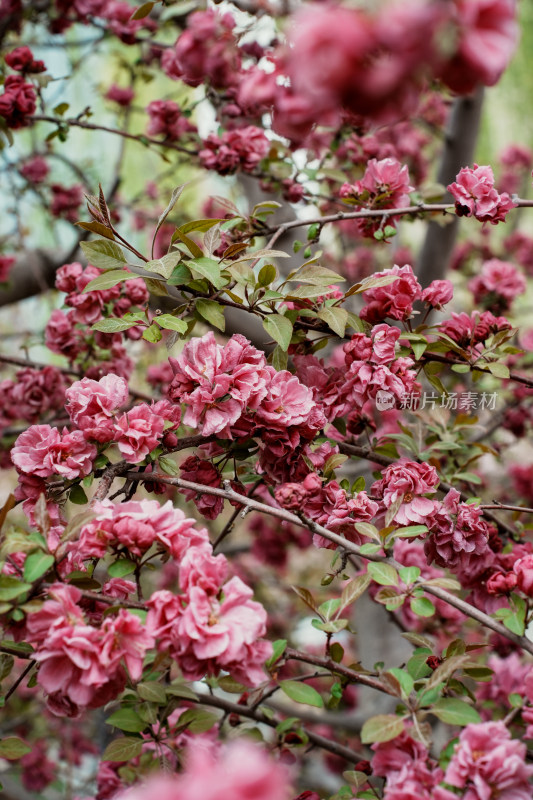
(279, 328)
(444, 583)
(498, 370)
(453, 711)
(168, 465)
(164, 266)
(316, 275)
(152, 334)
(302, 693)
(376, 283)
(104, 254)
(121, 568)
(13, 748)
(170, 323)
(126, 719)
(329, 607)
(405, 680)
(335, 318)
(211, 311)
(410, 530)
(381, 728)
(173, 200)
(409, 574)
(36, 565)
(201, 225)
(153, 692)
(123, 749)
(384, 574)
(418, 640)
(109, 279)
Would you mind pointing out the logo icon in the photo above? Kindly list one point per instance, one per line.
(384, 400)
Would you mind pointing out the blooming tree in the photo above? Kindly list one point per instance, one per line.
(209, 422)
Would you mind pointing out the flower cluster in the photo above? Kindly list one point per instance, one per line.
(475, 195)
(167, 118)
(403, 487)
(18, 102)
(497, 285)
(32, 394)
(242, 148)
(81, 666)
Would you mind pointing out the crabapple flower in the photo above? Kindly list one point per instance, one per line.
(459, 535)
(239, 770)
(137, 432)
(198, 470)
(523, 570)
(394, 300)
(137, 525)
(43, 451)
(438, 293)
(166, 118)
(385, 184)
(18, 102)
(92, 404)
(488, 764)
(407, 481)
(498, 284)
(242, 148)
(475, 195)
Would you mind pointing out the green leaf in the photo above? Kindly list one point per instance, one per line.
(367, 529)
(302, 693)
(191, 245)
(197, 720)
(12, 587)
(126, 719)
(278, 648)
(498, 370)
(384, 574)
(36, 565)
(77, 496)
(212, 312)
(267, 275)
(165, 265)
(104, 254)
(201, 225)
(112, 325)
(461, 368)
(410, 531)
(405, 680)
(123, 749)
(279, 328)
(453, 711)
(335, 318)
(153, 692)
(381, 728)
(152, 334)
(279, 359)
(210, 269)
(409, 574)
(171, 323)
(369, 549)
(97, 227)
(109, 279)
(316, 275)
(168, 465)
(13, 748)
(329, 607)
(121, 568)
(261, 254)
(422, 607)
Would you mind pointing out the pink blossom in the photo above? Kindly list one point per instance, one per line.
(6, 262)
(288, 402)
(66, 200)
(91, 405)
(475, 195)
(499, 279)
(407, 481)
(488, 764)
(198, 470)
(33, 393)
(21, 59)
(469, 331)
(394, 300)
(488, 34)
(137, 432)
(166, 118)
(35, 169)
(241, 148)
(385, 184)
(118, 14)
(523, 569)
(136, 525)
(38, 771)
(61, 335)
(42, 451)
(206, 50)
(438, 293)
(238, 771)
(199, 567)
(17, 102)
(459, 535)
(123, 96)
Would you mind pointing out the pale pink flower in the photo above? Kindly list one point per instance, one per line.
(523, 569)
(489, 765)
(500, 278)
(438, 293)
(239, 770)
(43, 451)
(407, 481)
(288, 402)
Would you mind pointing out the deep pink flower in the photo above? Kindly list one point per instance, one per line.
(38, 771)
(488, 34)
(475, 195)
(488, 764)
(459, 535)
(241, 148)
(21, 59)
(394, 300)
(408, 481)
(92, 404)
(438, 293)
(123, 96)
(6, 262)
(61, 335)
(166, 118)
(17, 102)
(198, 470)
(66, 201)
(35, 169)
(33, 393)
